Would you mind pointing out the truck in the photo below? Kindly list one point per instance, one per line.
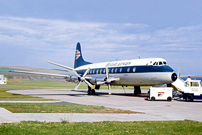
(191, 89)
(161, 93)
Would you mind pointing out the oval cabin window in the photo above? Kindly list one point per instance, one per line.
(128, 70)
(134, 69)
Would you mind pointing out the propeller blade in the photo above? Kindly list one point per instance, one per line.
(77, 86)
(107, 72)
(76, 74)
(88, 84)
(178, 74)
(109, 89)
(86, 72)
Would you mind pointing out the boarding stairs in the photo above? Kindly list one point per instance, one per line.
(179, 85)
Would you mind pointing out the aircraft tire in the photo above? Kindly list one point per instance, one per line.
(91, 92)
(152, 98)
(169, 99)
(137, 90)
(188, 98)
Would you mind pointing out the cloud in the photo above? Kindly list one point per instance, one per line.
(56, 39)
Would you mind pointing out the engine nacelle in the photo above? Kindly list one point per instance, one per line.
(72, 79)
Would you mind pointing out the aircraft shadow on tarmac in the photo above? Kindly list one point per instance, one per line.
(84, 93)
(97, 93)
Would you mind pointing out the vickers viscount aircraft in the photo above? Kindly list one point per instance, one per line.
(136, 72)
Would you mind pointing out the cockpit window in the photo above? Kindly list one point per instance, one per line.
(157, 63)
(160, 63)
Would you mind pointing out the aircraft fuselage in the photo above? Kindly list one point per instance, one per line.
(138, 72)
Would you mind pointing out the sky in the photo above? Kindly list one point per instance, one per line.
(37, 31)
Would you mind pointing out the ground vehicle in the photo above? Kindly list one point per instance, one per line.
(191, 89)
(161, 93)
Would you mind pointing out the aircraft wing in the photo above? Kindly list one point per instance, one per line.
(40, 73)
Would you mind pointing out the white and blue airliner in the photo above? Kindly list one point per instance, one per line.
(136, 72)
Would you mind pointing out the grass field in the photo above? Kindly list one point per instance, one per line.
(106, 128)
(54, 84)
(55, 108)
(64, 127)
(38, 84)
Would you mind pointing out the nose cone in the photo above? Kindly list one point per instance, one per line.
(174, 77)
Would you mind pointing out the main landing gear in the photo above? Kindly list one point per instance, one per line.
(91, 91)
(137, 90)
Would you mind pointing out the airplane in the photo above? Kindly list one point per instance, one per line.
(136, 72)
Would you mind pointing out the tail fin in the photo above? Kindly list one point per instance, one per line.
(78, 57)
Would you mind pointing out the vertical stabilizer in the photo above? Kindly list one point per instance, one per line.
(79, 61)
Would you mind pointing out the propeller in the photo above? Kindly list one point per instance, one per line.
(178, 74)
(108, 81)
(82, 78)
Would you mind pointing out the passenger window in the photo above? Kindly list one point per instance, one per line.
(94, 71)
(100, 71)
(134, 69)
(120, 70)
(128, 70)
(97, 71)
(112, 70)
(115, 70)
(104, 71)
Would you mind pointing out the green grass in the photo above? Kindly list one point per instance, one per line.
(41, 84)
(55, 108)
(30, 84)
(112, 128)
(6, 96)
(55, 84)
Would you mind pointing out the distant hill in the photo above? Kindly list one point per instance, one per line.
(4, 70)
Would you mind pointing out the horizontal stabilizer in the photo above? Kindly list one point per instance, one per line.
(69, 68)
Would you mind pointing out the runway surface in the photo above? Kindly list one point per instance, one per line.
(120, 99)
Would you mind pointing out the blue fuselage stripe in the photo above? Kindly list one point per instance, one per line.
(129, 69)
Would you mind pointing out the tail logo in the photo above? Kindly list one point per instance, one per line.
(78, 54)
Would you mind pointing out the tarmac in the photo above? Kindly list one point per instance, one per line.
(120, 99)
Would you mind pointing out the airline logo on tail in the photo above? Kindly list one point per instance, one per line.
(78, 54)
